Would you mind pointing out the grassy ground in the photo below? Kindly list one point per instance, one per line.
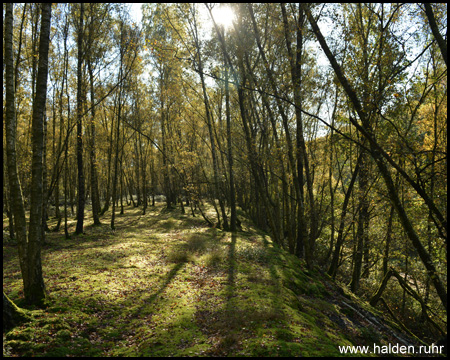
(165, 284)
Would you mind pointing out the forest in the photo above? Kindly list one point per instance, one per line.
(249, 179)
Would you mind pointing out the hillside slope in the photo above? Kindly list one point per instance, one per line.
(164, 284)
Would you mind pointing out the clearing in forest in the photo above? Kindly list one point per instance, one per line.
(165, 284)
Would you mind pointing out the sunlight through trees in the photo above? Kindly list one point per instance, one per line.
(323, 124)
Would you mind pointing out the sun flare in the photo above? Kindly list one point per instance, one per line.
(224, 16)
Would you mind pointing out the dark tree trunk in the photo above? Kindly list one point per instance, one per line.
(17, 205)
(230, 154)
(12, 314)
(363, 215)
(388, 241)
(93, 159)
(35, 294)
(119, 114)
(340, 237)
(81, 190)
(435, 30)
(29, 249)
(296, 78)
(137, 169)
(108, 182)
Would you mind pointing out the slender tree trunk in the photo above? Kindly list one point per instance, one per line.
(66, 146)
(143, 165)
(121, 184)
(330, 181)
(55, 159)
(119, 114)
(108, 182)
(66, 175)
(388, 242)
(17, 205)
(93, 159)
(116, 163)
(45, 192)
(230, 154)
(137, 169)
(435, 30)
(81, 190)
(340, 237)
(152, 175)
(61, 131)
(7, 206)
(361, 232)
(296, 77)
(167, 185)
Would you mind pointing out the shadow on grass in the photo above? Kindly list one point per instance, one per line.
(109, 296)
(231, 272)
(172, 273)
(153, 297)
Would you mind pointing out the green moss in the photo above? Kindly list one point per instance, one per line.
(20, 333)
(315, 289)
(64, 334)
(370, 336)
(165, 284)
(16, 345)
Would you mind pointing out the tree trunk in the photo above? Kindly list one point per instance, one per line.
(361, 232)
(143, 164)
(108, 180)
(81, 190)
(340, 237)
(435, 30)
(230, 154)
(12, 314)
(66, 145)
(119, 114)
(29, 251)
(17, 205)
(388, 241)
(296, 78)
(35, 294)
(93, 159)
(137, 167)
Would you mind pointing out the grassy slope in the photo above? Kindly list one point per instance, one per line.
(165, 284)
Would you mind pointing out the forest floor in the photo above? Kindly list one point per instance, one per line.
(165, 284)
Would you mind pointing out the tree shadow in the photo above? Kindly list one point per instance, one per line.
(230, 290)
(153, 297)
